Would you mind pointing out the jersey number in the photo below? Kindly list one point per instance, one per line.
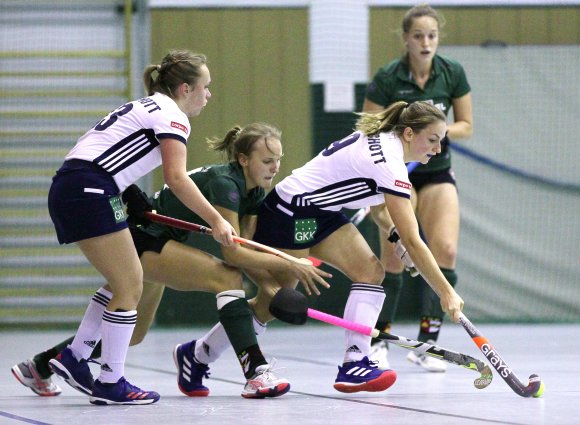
(342, 143)
(110, 119)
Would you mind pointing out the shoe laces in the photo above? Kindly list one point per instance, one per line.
(91, 360)
(373, 364)
(129, 387)
(200, 371)
(267, 373)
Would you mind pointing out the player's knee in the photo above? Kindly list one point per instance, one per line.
(128, 296)
(392, 264)
(230, 278)
(373, 273)
(445, 254)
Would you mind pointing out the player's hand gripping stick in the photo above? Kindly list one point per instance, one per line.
(401, 252)
(140, 208)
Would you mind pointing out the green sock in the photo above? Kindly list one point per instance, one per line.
(431, 312)
(392, 284)
(41, 359)
(237, 320)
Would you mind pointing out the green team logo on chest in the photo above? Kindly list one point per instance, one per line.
(304, 230)
(117, 207)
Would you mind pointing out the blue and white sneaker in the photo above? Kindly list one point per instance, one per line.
(189, 372)
(121, 392)
(363, 375)
(75, 372)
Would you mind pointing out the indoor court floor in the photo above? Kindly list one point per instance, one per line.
(308, 357)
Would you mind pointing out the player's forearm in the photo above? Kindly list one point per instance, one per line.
(460, 130)
(381, 217)
(243, 257)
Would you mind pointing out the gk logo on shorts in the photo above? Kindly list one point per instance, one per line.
(304, 230)
(117, 207)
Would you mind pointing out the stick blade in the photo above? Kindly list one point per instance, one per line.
(289, 306)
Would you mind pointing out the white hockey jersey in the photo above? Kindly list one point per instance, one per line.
(354, 172)
(126, 142)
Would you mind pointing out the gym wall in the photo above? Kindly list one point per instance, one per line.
(259, 63)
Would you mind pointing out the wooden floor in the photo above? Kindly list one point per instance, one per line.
(308, 356)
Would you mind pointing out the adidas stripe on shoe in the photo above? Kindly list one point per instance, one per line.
(189, 372)
(363, 375)
(121, 392)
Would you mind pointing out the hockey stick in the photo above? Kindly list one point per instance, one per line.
(192, 227)
(291, 306)
(535, 387)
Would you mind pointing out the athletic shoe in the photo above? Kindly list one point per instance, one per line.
(28, 376)
(190, 372)
(121, 392)
(379, 355)
(363, 375)
(430, 364)
(75, 372)
(265, 384)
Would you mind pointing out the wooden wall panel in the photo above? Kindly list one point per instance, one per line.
(295, 102)
(258, 59)
(473, 26)
(564, 25)
(501, 24)
(533, 26)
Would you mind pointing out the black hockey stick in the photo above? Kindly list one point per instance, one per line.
(535, 387)
(291, 306)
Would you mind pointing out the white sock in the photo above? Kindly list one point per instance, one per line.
(117, 328)
(210, 347)
(89, 333)
(213, 344)
(259, 327)
(363, 306)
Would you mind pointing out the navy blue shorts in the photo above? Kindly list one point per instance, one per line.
(420, 180)
(281, 225)
(84, 202)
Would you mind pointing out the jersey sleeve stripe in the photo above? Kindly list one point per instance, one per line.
(394, 192)
(172, 136)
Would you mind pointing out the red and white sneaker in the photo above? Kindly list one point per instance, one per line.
(265, 384)
(28, 376)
